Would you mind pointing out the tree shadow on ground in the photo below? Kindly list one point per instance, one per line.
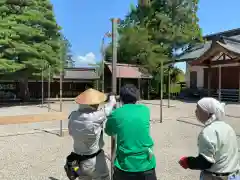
(12, 103)
(18, 103)
(48, 132)
(35, 131)
(37, 103)
(232, 116)
(184, 100)
(186, 122)
(158, 103)
(52, 178)
(189, 100)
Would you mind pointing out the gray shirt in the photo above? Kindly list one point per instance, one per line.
(86, 128)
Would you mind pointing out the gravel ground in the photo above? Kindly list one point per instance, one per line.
(41, 155)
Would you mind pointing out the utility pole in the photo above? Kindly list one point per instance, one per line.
(114, 80)
(114, 54)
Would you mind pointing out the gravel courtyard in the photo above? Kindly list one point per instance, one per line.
(40, 155)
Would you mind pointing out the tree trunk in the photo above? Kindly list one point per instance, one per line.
(24, 91)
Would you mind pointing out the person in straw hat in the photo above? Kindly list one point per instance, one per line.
(218, 157)
(87, 161)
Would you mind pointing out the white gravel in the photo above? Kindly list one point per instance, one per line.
(42, 155)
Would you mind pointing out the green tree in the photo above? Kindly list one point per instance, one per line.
(134, 47)
(67, 53)
(99, 66)
(152, 34)
(30, 40)
(170, 23)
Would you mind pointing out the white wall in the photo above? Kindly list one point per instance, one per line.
(200, 75)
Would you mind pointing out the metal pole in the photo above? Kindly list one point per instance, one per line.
(114, 81)
(49, 86)
(60, 94)
(239, 82)
(102, 68)
(149, 88)
(161, 93)
(169, 87)
(42, 88)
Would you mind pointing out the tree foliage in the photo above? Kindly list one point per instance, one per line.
(67, 56)
(151, 34)
(30, 39)
(29, 36)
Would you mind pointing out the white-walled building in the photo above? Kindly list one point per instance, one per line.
(215, 64)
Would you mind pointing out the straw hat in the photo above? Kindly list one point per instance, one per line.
(91, 97)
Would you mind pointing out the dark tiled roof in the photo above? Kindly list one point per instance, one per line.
(79, 74)
(229, 33)
(232, 44)
(195, 52)
(230, 40)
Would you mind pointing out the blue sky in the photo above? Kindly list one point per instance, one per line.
(84, 22)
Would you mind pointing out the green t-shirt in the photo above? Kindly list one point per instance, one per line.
(131, 125)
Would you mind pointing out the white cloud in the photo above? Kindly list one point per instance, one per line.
(86, 60)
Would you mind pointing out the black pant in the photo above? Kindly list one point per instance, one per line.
(146, 175)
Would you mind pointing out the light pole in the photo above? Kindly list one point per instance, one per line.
(106, 35)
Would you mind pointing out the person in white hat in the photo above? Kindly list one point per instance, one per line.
(87, 161)
(218, 157)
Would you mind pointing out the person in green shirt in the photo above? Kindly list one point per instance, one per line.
(131, 125)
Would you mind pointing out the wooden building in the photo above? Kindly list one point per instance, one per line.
(75, 81)
(214, 66)
(128, 74)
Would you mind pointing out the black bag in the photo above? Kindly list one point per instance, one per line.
(72, 170)
(72, 166)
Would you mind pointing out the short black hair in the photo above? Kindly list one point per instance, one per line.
(129, 94)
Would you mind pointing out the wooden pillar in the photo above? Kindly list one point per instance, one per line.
(96, 84)
(139, 87)
(219, 82)
(149, 88)
(119, 85)
(209, 80)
